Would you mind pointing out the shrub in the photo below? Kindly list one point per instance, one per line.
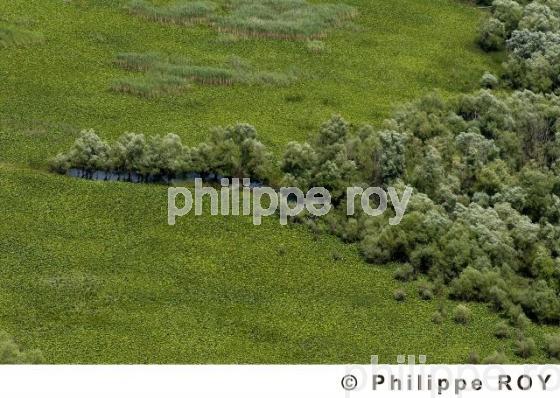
(399, 295)
(404, 272)
(492, 35)
(489, 81)
(502, 330)
(509, 12)
(522, 322)
(11, 353)
(495, 358)
(552, 345)
(437, 317)
(524, 347)
(473, 358)
(426, 293)
(232, 152)
(462, 314)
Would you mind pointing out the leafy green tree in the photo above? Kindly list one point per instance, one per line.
(89, 153)
(492, 34)
(127, 153)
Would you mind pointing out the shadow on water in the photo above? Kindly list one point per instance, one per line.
(133, 177)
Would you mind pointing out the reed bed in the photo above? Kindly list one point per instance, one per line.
(182, 13)
(270, 19)
(283, 19)
(150, 85)
(15, 37)
(164, 75)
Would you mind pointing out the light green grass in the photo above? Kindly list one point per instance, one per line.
(91, 273)
(396, 52)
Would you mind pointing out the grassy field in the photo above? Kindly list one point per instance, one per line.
(394, 52)
(91, 273)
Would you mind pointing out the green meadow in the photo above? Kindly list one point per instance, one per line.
(90, 272)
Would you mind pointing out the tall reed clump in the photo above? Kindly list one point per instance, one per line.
(181, 12)
(15, 37)
(283, 19)
(165, 75)
(150, 86)
(275, 19)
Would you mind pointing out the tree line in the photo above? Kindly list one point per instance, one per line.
(485, 168)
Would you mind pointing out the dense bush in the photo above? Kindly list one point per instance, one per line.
(399, 295)
(233, 151)
(495, 358)
(531, 33)
(492, 35)
(552, 347)
(524, 347)
(11, 353)
(462, 314)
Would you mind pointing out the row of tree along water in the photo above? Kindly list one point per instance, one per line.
(484, 220)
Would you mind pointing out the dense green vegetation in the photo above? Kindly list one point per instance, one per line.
(530, 31)
(91, 272)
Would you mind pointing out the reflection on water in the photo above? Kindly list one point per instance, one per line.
(100, 175)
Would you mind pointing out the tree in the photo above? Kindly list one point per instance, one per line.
(163, 156)
(299, 160)
(509, 12)
(539, 17)
(127, 153)
(256, 160)
(392, 161)
(492, 35)
(89, 153)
